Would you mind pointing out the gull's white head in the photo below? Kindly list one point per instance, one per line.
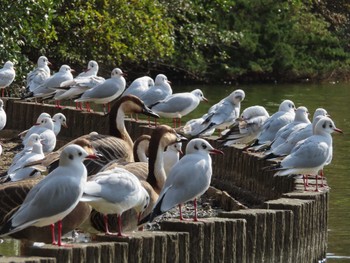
(287, 106)
(237, 96)
(302, 114)
(8, 65)
(161, 79)
(42, 116)
(72, 153)
(199, 94)
(43, 61)
(326, 126)
(117, 72)
(199, 145)
(60, 118)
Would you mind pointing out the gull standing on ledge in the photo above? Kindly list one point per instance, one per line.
(309, 156)
(47, 88)
(105, 92)
(38, 75)
(7, 76)
(139, 86)
(249, 126)
(284, 115)
(113, 192)
(159, 91)
(77, 86)
(189, 178)
(178, 105)
(222, 114)
(54, 197)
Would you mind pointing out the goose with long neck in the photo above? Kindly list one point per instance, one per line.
(140, 148)
(126, 105)
(154, 174)
(151, 175)
(117, 145)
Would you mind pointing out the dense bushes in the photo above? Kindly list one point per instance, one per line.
(250, 40)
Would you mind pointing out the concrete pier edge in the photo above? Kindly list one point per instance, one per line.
(284, 223)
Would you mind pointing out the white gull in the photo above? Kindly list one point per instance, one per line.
(38, 75)
(7, 76)
(113, 192)
(54, 197)
(106, 91)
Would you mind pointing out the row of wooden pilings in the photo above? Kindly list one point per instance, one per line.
(282, 224)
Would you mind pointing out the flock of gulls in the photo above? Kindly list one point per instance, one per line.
(110, 183)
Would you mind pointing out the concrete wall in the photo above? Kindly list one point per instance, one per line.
(284, 224)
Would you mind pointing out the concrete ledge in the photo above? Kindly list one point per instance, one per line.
(288, 225)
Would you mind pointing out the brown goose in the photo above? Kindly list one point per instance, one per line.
(151, 175)
(140, 149)
(117, 145)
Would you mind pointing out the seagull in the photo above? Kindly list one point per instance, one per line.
(77, 86)
(296, 136)
(59, 120)
(158, 92)
(105, 92)
(139, 86)
(46, 132)
(188, 179)
(24, 135)
(47, 135)
(309, 156)
(178, 105)
(193, 128)
(283, 116)
(113, 192)
(38, 75)
(223, 113)
(301, 120)
(47, 88)
(249, 126)
(53, 197)
(19, 171)
(7, 76)
(33, 138)
(3, 116)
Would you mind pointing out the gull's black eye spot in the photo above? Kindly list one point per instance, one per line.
(70, 157)
(204, 146)
(80, 153)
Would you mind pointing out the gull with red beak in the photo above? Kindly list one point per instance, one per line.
(309, 156)
(178, 105)
(54, 197)
(188, 179)
(106, 91)
(72, 89)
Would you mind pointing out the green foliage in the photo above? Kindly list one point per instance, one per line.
(25, 29)
(199, 40)
(254, 39)
(113, 32)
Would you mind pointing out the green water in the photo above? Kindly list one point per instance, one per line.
(335, 99)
